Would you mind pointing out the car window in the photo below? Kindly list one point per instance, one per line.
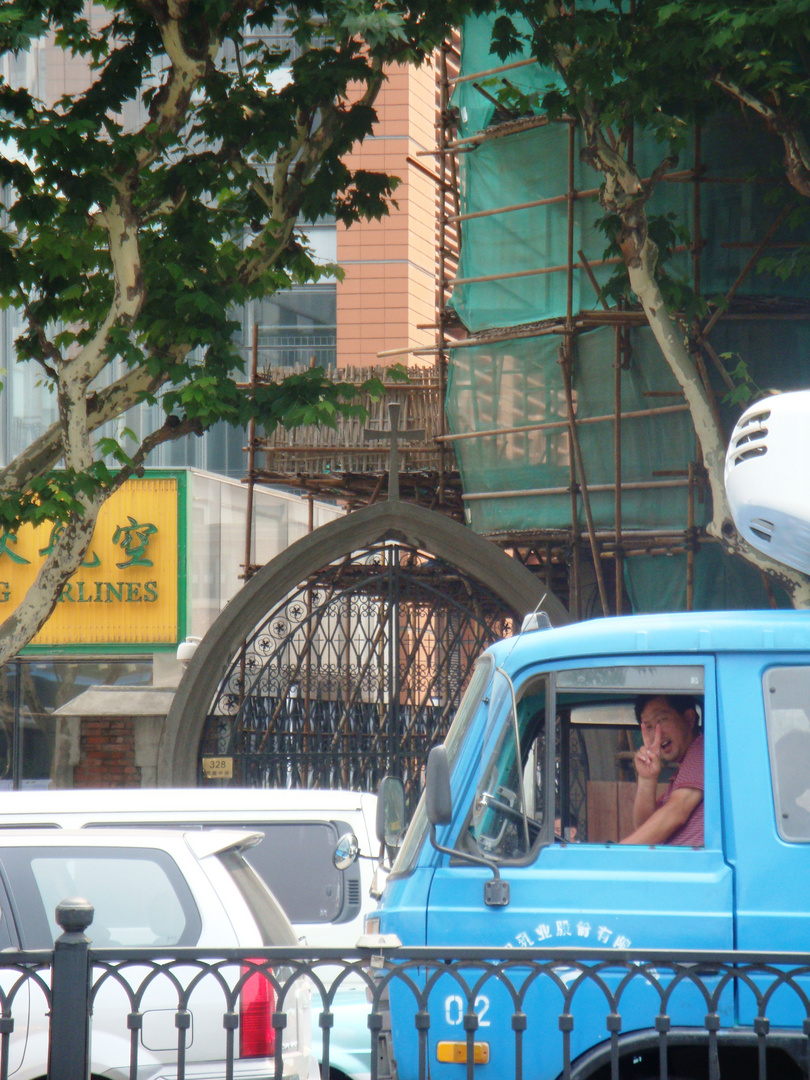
(139, 896)
(787, 712)
(317, 892)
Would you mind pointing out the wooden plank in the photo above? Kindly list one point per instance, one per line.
(603, 821)
(610, 809)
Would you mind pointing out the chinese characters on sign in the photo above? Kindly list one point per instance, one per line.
(126, 536)
(134, 539)
(126, 590)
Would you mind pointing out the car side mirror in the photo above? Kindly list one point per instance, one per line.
(390, 821)
(438, 799)
(346, 851)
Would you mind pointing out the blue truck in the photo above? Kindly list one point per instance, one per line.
(526, 844)
(515, 844)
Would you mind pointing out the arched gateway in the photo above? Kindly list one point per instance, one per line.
(346, 655)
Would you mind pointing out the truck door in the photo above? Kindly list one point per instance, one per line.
(767, 747)
(549, 802)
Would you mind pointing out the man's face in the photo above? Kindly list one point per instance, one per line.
(665, 729)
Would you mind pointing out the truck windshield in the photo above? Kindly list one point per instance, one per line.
(467, 709)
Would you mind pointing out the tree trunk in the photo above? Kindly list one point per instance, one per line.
(28, 618)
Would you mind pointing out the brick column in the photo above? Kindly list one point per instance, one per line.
(107, 754)
(110, 737)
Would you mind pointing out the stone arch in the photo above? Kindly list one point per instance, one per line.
(393, 520)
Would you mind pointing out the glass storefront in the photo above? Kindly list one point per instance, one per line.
(30, 690)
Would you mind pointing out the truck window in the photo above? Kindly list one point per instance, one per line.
(591, 786)
(595, 777)
(787, 713)
(597, 738)
(469, 705)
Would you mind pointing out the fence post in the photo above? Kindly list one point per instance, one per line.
(69, 1049)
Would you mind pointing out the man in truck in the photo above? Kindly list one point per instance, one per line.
(670, 736)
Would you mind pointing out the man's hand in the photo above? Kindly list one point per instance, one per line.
(647, 761)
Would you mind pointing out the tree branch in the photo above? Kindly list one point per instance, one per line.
(797, 150)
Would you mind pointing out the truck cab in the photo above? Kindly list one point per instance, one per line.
(540, 789)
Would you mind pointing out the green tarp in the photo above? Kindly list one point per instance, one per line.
(523, 255)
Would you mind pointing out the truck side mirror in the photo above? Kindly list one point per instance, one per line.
(439, 806)
(390, 820)
(438, 799)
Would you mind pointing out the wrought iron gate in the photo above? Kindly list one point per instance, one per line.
(357, 673)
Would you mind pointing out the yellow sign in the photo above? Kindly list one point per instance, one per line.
(217, 768)
(125, 592)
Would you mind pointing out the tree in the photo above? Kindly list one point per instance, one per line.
(659, 67)
(758, 55)
(139, 213)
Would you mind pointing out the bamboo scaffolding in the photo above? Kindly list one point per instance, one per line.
(746, 270)
(446, 166)
(560, 269)
(631, 485)
(248, 569)
(545, 425)
(582, 485)
(353, 449)
(617, 462)
(557, 547)
(593, 319)
(500, 131)
(458, 79)
(697, 235)
(552, 200)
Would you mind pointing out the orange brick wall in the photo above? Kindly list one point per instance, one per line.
(107, 754)
(389, 287)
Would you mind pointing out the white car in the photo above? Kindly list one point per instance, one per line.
(327, 907)
(299, 827)
(151, 888)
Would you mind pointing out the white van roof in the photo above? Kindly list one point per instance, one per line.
(181, 800)
(208, 842)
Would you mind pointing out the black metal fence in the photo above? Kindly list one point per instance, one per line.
(486, 1013)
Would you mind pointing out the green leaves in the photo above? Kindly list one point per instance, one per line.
(745, 388)
(143, 208)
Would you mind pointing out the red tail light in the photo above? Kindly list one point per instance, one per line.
(257, 1003)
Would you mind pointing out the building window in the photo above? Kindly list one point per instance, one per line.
(297, 327)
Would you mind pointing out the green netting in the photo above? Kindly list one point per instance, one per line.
(523, 256)
(533, 165)
(474, 108)
(515, 383)
(519, 382)
(657, 583)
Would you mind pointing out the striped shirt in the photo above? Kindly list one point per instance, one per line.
(689, 775)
